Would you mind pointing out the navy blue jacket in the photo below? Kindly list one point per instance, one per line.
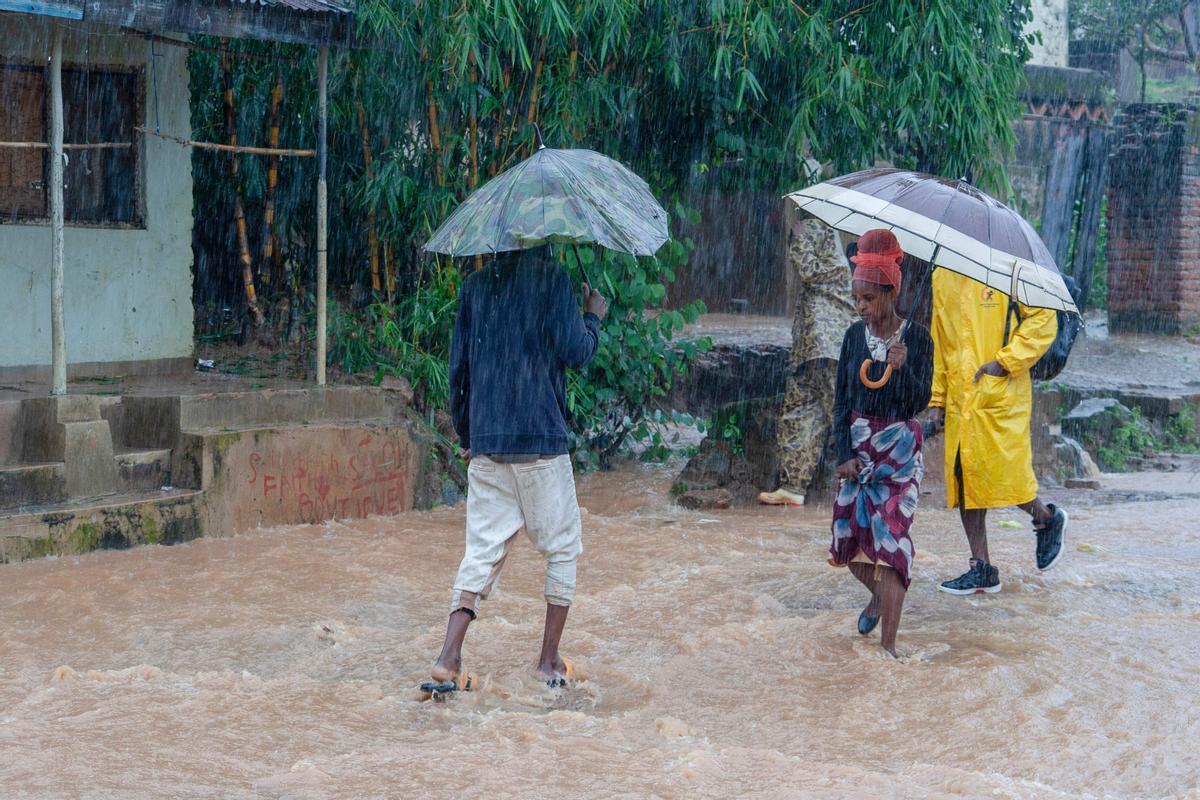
(518, 328)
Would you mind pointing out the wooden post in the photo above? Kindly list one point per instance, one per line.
(58, 334)
(322, 207)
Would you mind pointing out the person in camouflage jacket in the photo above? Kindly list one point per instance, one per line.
(823, 313)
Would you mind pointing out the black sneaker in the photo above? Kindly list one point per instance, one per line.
(1050, 538)
(982, 577)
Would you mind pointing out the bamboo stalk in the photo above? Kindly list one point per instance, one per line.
(531, 114)
(573, 59)
(372, 229)
(509, 129)
(239, 211)
(435, 134)
(531, 110)
(609, 66)
(87, 146)
(269, 262)
(500, 127)
(227, 148)
(389, 268)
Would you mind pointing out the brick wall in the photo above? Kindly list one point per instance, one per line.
(1154, 219)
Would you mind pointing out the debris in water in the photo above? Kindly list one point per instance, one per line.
(671, 728)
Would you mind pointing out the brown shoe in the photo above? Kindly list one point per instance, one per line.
(781, 497)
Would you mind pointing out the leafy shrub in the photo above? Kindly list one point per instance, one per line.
(410, 339)
(638, 359)
(613, 401)
(1133, 439)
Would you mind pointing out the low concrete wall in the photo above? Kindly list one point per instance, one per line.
(216, 464)
(294, 475)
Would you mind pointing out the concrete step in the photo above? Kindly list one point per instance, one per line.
(24, 485)
(143, 470)
(116, 522)
(70, 429)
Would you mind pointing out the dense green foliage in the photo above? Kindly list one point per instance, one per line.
(1151, 29)
(720, 95)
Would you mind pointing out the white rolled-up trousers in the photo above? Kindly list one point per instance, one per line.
(503, 499)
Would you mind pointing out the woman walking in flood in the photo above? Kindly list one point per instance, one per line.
(884, 379)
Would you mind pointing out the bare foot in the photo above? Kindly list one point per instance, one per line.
(891, 651)
(446, 669)
(551, 670)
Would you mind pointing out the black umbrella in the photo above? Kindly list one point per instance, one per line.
(950, 224)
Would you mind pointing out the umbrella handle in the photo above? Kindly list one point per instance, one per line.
(866, 380)
(582, 271)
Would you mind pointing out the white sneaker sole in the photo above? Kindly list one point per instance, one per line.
(967, 592)
(1062, 549)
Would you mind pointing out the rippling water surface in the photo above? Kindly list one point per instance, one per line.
(719, 649)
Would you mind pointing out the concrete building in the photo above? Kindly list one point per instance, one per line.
(127, 254)
(164, 458)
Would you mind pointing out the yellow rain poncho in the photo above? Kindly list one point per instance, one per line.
(987, 423)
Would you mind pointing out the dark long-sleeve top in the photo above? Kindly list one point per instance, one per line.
(903, 397)
(518, 328)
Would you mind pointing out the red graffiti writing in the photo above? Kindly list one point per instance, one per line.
(368, 475)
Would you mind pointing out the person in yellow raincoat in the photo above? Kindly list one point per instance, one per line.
(983, 395)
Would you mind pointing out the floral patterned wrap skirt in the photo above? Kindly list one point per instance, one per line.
(873, 514)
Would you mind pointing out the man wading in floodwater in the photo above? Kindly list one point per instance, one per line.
(518, 329)
(983, 395)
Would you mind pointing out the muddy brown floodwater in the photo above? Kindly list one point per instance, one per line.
(719, 649)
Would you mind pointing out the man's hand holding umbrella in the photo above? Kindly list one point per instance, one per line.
(594, 302)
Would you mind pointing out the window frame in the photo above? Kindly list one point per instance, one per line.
(138, 72)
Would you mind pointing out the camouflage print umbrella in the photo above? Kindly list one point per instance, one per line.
(560, 197)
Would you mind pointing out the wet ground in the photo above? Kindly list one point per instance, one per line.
(719, 649)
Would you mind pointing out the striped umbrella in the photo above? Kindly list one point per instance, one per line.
(948, 223)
